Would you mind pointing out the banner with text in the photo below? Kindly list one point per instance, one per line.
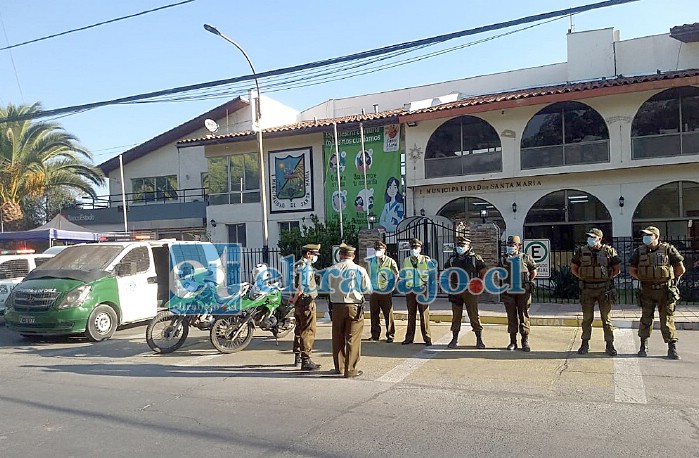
(381, 159)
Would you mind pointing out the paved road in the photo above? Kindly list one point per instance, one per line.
(115, 398)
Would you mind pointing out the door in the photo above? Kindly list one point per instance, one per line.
(137, 284)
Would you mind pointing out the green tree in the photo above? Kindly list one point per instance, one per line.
(327, 234)
(37, 158)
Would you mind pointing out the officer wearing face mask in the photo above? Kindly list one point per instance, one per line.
(305, 307)
(517, 304)
(383, 272)
(419, 265)
(467, 259)
(659, 266)
(596, 264)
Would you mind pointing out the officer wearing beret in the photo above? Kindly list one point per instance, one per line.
(383, 270)
(596, 264)
(305, 307)
(348, 284)
(517, 304)
(659, 266)
(465, 258)
(418, 267)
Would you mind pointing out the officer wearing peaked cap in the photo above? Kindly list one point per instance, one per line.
(348, 284)
(658, 265)
(596, 264)
(305, 307)
(383, 271)
(417, 267)
(466, 259)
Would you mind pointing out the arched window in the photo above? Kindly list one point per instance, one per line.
(565, 133)
(472, 210)
(463, 146)
(670, 207)
(667, 124)
(565, 216)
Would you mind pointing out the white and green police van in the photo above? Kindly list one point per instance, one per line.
(91, 289)
(14, 266)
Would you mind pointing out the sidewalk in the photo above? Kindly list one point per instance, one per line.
(623, 315)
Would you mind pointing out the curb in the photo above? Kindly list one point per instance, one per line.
(536, 321)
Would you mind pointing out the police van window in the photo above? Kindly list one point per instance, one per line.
(564, 133)
(14, 268)
(667, 124)
(139, 257)
(40, 261)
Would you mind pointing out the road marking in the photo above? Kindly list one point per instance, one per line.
(198, 360)
(403, 370)
(628, 381)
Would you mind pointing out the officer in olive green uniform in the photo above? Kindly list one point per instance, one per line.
(381, 268)
(517, 304)
(658, 265)
(305, 308)
(348, 284)
(596, 264)
(467, 259)
(420, 265)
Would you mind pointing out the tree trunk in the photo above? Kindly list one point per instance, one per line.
(12, 215)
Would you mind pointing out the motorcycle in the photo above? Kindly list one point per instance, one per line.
(263, 306)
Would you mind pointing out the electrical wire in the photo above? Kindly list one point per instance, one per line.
(172, 5)
(387, 50)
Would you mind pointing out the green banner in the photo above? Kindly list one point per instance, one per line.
(382, 195)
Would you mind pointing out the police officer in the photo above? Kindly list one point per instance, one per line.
(348, 284)
(383, 271)
(596, 264)
(305, 307)
(517, 304)
(658, 265)
(467, 259)
(420, 265)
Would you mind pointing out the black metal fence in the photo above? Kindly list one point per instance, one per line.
(563, 287)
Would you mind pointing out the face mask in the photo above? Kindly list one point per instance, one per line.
(647, 239)
(510, 250)
(415, 252)
(314, 259)
(591, 241)
(380, 253)
(461, 249)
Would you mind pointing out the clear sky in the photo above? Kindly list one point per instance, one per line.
(170, 48)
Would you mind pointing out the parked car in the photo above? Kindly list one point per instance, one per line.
(14, 266)
(91, 289)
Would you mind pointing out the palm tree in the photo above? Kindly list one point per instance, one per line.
(36, 157)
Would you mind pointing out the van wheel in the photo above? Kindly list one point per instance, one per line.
(102, 323)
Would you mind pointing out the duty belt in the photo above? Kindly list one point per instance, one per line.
(662, 285)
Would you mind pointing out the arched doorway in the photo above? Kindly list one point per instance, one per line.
(565, 216)
(672, 207)
(472, 210)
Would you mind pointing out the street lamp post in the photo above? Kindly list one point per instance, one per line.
(263, 170)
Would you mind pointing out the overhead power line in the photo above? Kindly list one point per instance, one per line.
(16, 45)
(396, 48)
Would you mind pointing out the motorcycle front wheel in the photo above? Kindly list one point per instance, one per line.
(167, 332)
(223, 334)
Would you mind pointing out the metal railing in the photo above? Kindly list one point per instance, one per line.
(146, 198)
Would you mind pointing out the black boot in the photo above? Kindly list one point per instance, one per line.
(479, 342)
(513, 341)
(455, 340)
(584, 347)
(307, 364)
(297, 359)
(525, 343)
(643, 351)
(672, 351)
(610, 350)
